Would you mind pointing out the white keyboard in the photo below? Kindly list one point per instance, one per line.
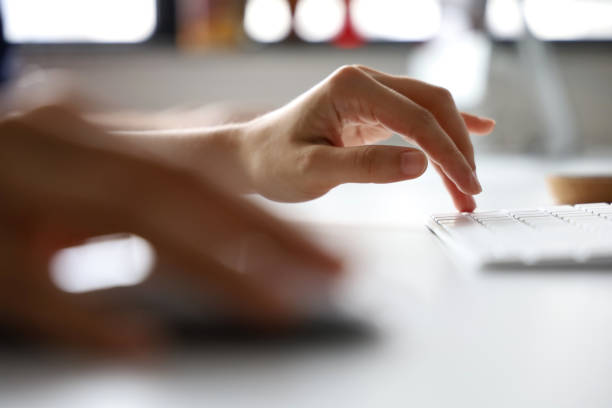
(548, 236)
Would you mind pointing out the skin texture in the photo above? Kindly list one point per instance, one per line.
(64, 179)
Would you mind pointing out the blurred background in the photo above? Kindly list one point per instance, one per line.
(542, 68)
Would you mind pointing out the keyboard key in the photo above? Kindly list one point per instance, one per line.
(533, 236)
(592, 205)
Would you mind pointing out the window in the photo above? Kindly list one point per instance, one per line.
(569, 19)
(392, 20)
(551, 20)
(79, 21)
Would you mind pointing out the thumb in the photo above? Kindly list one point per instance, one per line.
(370, 164)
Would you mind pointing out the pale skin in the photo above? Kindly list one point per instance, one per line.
(64, 179)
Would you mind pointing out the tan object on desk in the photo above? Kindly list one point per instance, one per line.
(581, 189)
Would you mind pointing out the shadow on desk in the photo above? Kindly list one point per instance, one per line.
(315, 332)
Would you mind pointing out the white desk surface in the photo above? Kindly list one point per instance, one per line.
(443, 335)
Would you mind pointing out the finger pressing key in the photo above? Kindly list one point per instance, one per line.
(401, 115)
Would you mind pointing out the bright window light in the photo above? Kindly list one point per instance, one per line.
(569, 19)
(70, 21)
(267, 21)
(319, 20)
(396, 20)
(504, 19)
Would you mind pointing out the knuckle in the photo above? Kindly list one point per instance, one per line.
(308, 161)
(449, 151)
(360, 67)
(348, 70)
(366, 160)
(442, 93)
(309, 168)
(422, 122)
(346, 76)
(443, 96)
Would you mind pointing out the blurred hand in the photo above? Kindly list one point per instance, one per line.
(63, 180)
(324, 137)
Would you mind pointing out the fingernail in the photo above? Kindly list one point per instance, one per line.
(476, 183)
(413, 163)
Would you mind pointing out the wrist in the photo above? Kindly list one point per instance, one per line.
(214, 153)
(223, 149)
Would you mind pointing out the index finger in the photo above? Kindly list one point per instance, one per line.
(438, 101)
(401, 115)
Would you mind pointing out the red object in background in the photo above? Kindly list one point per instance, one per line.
(348, 37)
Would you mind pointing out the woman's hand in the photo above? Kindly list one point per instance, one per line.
(324, 137)
(63, 180)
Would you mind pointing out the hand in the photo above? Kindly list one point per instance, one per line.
(324, 137)
(63, 180)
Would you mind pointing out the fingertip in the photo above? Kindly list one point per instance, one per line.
(479, 124)
(488, 125)
(465, 203)
(475, 118)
